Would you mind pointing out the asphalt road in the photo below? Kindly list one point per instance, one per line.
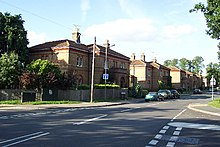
(169, 123)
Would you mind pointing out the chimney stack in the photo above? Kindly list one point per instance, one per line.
(132, 57)
(155, 60)
(142, 57)
(76, 35)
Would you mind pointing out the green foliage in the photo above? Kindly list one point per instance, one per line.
(184, 64)
(47, 74)
(161, 84)
(9, 70)
(213, 69)
(212, 14)
(14, 36)
(173, 62)
(198, 65)
(108, 86)
(83, 87)
(215, 103)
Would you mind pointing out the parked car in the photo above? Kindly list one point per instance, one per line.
(152, 96)
(197, 91)
(175, 93)
(165, 93)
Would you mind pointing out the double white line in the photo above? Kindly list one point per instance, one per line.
(21, 139)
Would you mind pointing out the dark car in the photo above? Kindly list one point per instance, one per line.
(175, 93)
(165, 93)
(151, 96)
(197, 91)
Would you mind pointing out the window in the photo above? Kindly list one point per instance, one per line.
(149, 72)
(122, 65)
(79, 61)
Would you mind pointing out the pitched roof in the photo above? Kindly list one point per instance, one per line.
(138, 62)
(158, 65)
(59, 43)
(110, 51)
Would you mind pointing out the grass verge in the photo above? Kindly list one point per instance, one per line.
(215, 103)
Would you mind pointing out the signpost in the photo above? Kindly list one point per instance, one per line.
(212, 83)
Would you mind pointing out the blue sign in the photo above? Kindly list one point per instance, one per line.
(105, 76)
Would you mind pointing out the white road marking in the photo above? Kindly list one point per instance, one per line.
(195, 126)
(158, 136)
(153, 142)
(178, 115)
(174, 138)
(166, 127)
(170, 144)
(20, 137)
(162, 131)
(90, 120)
(126, 110)
(176, 133)
(30, 138)
(178, 129)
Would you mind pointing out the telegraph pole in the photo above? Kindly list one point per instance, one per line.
(93, 68)
(106, 64)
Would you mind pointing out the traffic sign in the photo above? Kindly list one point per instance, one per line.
(105, 76)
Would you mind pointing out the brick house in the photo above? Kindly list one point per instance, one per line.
(179, 79)
(75, 58)
(149, 73)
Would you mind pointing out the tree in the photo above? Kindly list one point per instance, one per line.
(184, 64)
(9, 70)
(212, 14)
(47, 73)
(213, 69)
(167, 63)
(197, 64)
(173, 62)
(13, 36)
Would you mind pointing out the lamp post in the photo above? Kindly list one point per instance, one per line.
(93, 68)
(107, 45)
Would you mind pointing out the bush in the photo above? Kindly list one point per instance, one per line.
(144, 92)
(108, 86)
(83, 87)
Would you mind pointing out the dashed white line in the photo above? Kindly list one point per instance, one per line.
(158, 136)
(162, 131)
(89, 120)
(170, 144)
(153, 142)
(166, 127)
(176, 133)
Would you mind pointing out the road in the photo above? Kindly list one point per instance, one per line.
(169, 123)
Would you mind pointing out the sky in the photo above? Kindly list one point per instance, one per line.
(158, 28)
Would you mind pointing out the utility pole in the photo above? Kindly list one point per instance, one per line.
(93, 69)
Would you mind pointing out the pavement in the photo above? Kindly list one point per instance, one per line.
(203, 108)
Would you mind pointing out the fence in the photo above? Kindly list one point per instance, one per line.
(78, 95)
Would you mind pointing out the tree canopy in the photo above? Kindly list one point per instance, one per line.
(42, 73)
(195, 65)
(213, 69)
(212, 14)
(13, 36)
(9, 70)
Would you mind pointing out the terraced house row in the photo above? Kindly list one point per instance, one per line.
(75, 58)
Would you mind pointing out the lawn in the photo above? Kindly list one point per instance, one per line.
(215, 103)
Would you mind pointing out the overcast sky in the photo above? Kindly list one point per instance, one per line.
(161, 28)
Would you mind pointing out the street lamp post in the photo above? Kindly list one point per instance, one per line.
(93, 68)
(107, 46)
